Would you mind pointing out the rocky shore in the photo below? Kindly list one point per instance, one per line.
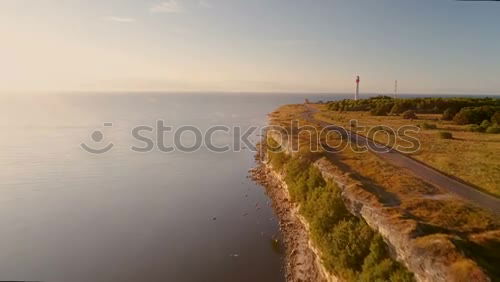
(302, 260)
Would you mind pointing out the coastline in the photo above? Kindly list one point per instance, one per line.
(302, 260)
(415, 251)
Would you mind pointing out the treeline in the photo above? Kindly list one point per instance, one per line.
(349, 247)
(460, 110)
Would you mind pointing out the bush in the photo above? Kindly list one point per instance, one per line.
(449, 113)
(377, 266)
(448, 107)
(302, 178)
(314, 178)
(400, 106)
(410, 114)
(349, 246)
(475, 128)
(401, 275)
(381, 109)
(276, 157)
(277, 160)
(485, 124)
(324, 208)
(426, 125)
(473, 115)
(445, 135)
(495, 129)
(495, 119)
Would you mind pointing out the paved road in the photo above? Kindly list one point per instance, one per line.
(419, 169)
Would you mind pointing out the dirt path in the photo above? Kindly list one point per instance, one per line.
(418, 168)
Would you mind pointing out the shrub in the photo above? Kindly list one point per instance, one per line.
(449, 113)
(314, 178)
(421, 105)
(445, 135)
(381, 109)
(348, 244)
(378, 267)
(298, 189)
(349, 247)
(485, 124)
(473, 115)
(410, 114)
(475, 128)
(302, 179)
(495, 129)
(401, 275)
(377, 252)
(426, 125)
(324, 208)
(495, 119)
(400, 106)
(278, 160)
(462, 117)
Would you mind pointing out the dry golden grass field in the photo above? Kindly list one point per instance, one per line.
(471, 156)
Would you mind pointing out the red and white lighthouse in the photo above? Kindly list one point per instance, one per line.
(356, 95)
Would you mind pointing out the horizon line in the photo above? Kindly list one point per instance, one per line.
(212, 92)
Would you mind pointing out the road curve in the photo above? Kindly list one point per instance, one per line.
(418, 168)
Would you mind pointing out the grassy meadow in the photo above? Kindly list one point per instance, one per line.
(471, 156)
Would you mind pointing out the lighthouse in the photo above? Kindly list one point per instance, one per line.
(356, 96)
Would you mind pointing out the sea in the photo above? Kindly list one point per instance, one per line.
(92, 188)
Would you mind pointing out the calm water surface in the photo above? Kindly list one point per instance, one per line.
(67, 215)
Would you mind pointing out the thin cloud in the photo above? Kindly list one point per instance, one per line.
(170, 6)
(120, 19)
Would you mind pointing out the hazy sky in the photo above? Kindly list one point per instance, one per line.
(430, 46)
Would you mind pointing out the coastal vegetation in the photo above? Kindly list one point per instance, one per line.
(349, 247)
(409, 114)
(439, 222)
(460, 110)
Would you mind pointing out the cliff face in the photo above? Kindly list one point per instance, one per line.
(303, 262)
(430, 258)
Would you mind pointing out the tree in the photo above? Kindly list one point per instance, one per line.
(495, 119)
(473, 115)
(410, 114)
(449, 113)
